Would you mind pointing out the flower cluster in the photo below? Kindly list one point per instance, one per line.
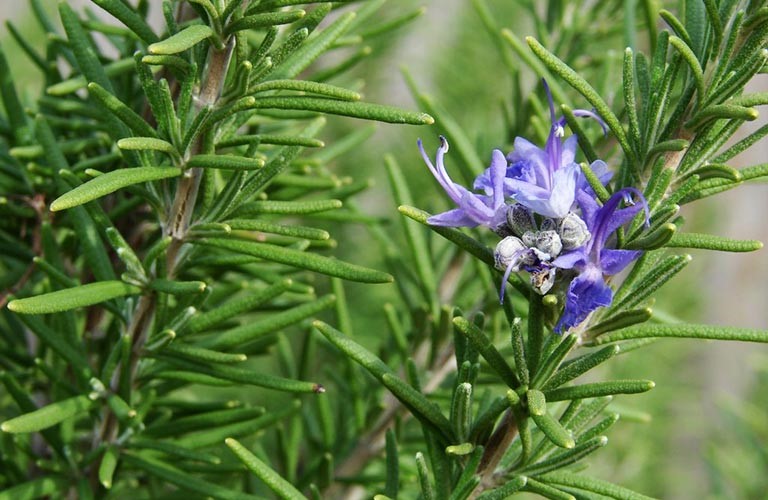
(550, 220)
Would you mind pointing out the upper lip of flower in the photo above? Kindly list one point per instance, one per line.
(473, 209)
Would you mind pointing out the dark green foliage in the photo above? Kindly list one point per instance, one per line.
(177, 318)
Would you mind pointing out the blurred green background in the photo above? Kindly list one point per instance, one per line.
(708, 431)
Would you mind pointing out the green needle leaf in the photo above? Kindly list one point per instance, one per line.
(304, 260)
(584, 88)
(709, 332)
(422, 408)
(48, 486)
(599, 389)
(488, 351)
(364, 110)
(47, 416)
(107, 466)
(276, 483)
(712, 242)
(125, 114)
(183, 479)
(264, 20)
(587, 483)
(71, 298)
(225, 162)
(109, 183)
(549, 426)
(181, 41)
(129, 18)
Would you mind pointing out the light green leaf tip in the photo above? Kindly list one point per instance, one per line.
(182, 40)
(109, 183)
(71, 298)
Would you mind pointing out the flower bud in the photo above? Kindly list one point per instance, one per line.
(549, 243)
(573, 231)
(511, 252)
(520, 219)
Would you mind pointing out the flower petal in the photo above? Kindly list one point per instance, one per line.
(452, 218)
(614, 261)
(586, 293)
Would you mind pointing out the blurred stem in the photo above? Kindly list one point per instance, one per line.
(186, 193)
(495, 449)
(181, 215)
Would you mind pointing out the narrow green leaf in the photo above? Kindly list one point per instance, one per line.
(422, 408)
(488, 351)
(676, 26)
(363, 110)
(148, 144)
(181, 41)
(547, 491)
(174, 450)
(668, 146)
(423, 472)
(206, 420)
(125, 114)
(49, 486)
(249, 377)
(225, 162)
(591, 484)
(709, 332)
(599, 389)
(183, 479)
(299, 60)
(264, 20)
(83, 48)
(272, 479)
(107, 466)
(656, 238)
(392, 485)
(311, 87)
(584, 88)
(620, 320)
(304, 260)
(109, 183)
(308, 233)
(130, 18)
(416, 241)
(722, 112)
(215, 433)
(288, 207)
(48, 416)
(14, 111)
(76, 83)
(71, 298)
(275, 322)
(461, 411)
(578, 366)
(567, 457)
(548, 425)
(278, 140)
(690, 58)
(202, 355)
(234, 307)
(512, 486)
(545, 370)
(712, 242)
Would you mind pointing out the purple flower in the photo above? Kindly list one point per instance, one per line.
(473, 209)
(588, 290)
(546, 180)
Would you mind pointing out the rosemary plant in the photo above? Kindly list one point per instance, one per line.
(177, 323)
